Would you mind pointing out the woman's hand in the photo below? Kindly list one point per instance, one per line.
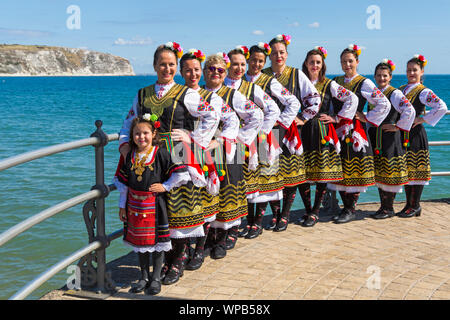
(157, 188)
(417, 121)
(299, 122)
(213, 144)
(123, 214)
(389, 127)
(181, 135)
(326, 119)
(360, 116)
(124, 149)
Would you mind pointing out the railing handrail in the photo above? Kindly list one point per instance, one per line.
(58, 148)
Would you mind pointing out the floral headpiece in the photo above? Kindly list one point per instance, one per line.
(355, 48)
(285, 38)
(197, 54)
(176, 48)
(322, 50)
(390, 63)
(422, 59)
(244, 51)
(153, 118)
(225, 57)
(265, 47)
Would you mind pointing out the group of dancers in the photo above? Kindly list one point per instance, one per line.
(195, 159)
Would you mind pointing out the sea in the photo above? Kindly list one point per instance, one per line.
(36, 112)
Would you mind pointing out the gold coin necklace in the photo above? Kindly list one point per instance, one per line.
(139, 165)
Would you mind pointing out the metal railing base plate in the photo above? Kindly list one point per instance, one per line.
(91, 295)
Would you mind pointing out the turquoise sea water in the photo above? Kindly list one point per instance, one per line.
(42, 111)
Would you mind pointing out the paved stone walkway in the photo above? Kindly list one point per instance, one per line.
(364, 259)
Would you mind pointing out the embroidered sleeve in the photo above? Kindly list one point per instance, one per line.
(290, 102)
(124, 133)
(251, 115)
(207, 115)
(437, 105)
(120, 180)
(406, 110)
(270, 109)
(374, 96)
(172, 174)
(230, 120)
(310, 97)
(349, 99)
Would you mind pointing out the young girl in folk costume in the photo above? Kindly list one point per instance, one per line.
(291, 160)
(143, 178)
(175, 107)
(321, 144)
(415, 142)
(232, 194)
(356, 152)
(191, 70)
(271, 182)
(236, 80)
(390, 159)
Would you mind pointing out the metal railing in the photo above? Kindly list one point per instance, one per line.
(93, 212)
(94, 215)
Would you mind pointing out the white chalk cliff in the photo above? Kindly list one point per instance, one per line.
(24, 60)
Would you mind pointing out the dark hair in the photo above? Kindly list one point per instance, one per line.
(383, 66)
(347, 50)
(419, 63)
(275, 40)
(158, 52)
(323, 71)
(186, 57)
(233, 52)
(255, 48)
(155, 141)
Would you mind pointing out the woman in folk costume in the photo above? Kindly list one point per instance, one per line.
(232, 194)
(321, 145)
(292, 164)
(143, 178)
(236, 80)
(391, 171)
(191, 70)
(415, 142)
(271, 182)
(175, 107)
(356, 152)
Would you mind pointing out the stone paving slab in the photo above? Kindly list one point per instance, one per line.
(366, 259)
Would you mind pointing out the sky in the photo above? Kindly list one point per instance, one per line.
(134, 28)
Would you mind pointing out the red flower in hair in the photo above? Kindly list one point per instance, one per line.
(175, 45)
(157, 124)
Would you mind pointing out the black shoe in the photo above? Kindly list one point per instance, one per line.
(230, 243)
(218, 252)
(196, 261)
(345, 216)
(153, 288)
(302, 219)
(173, 275)
(410, 213)
(140, 286)
(272, 224)
(254, 232)
(383, 214)
(281, 225)
(310, 221)
(244, 231)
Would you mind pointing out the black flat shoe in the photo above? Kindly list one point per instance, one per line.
(254, 232)
(281, 225)
(230, 242)
(272, 224)
(140, 286)
(172, 276)
(196, 261)
(153, 288)
(218, 252)
(383, 214)
(310, 221)
(410, 213)
(244, 231)
(345, 216)
(302, 219)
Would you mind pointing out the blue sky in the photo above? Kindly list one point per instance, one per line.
(134, 28)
